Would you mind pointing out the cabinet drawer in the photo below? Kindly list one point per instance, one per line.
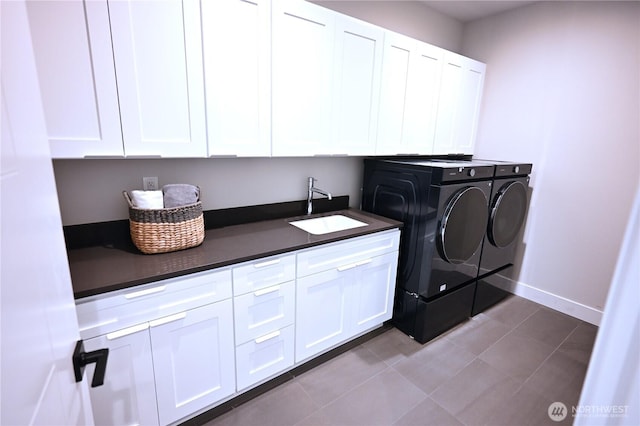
(347, 254)
(264, 311)
(264, 357)
(265, 272)
(116, 310)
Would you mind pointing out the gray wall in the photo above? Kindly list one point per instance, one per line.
(562, 91)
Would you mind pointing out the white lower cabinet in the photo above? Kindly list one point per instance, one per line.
(264, 357)
(183, 345)
(193, 360)
(128, 396)
(264, 311)
(352, 295)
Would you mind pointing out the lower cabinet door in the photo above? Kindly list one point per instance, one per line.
(321, 313)
(373, 293)
(193, 358)
(128, 395)
(264, 357)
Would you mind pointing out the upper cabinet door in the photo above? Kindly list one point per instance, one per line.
(356, 91)
(237, 71)
(459, 104)
(157, 47)
(395, 79)
(425, 74)
(72, 45)
(303, 36)
(409, 93)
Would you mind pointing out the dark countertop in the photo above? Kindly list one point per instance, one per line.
(96, 270)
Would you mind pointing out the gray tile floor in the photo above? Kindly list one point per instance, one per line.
(502, 367)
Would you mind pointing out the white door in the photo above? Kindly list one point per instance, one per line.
(396, 62)
(425, 72)
(458, 105)
(303, 36)
(39, 328)
(236, 43)
(128, 396)
(157, 46)
(356, 86)
(72, 43)
(373, 292)
(321, 312)
(193, 359)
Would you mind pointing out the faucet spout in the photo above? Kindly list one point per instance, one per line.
(312, 190)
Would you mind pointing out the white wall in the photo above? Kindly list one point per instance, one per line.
(91, 190)
(563, 92)
(410, 18)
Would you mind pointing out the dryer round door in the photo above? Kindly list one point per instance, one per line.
(463, 225)
(507, 214)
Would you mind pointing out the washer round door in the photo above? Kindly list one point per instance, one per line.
(507, 214)
(463, 225)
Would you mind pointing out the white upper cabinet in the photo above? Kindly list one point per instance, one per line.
(411, 75)
(425, 73)
(459, 105)
(356, 86)
(72, 45)
(237, 71)
(303, 36)
(157, 47)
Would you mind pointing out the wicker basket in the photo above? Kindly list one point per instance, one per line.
(165, 230)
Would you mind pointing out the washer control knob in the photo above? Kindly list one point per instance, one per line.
(472, 172)
(516, 169)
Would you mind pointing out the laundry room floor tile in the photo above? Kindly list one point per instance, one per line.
(382, 400)
(341, 374)
(512, 311)
(478, 334)
(505, 366)
(517, 355)
(434, 365)
(548, 326)
(428, 413)
(580, 342)
(393, 346)
(474, 392)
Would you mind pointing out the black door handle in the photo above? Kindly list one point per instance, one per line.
(82, 358)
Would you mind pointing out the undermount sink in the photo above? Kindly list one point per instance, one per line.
(327, 224)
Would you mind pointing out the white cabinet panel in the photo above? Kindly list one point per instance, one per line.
(157, 48)
(237, 70)
(124, 308)
(409, 94)
(459, 105)
(72, 45)
(321, 312)
(193, 360)
(395, 80)
(264, 272)
(303, 37)
(422, 99)
(346, 253)
(373, 293)
(357, 71)
(264, 357)
(345, 299)
(128, 395)
(264, 311)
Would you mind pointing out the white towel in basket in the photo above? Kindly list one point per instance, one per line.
(147, 199)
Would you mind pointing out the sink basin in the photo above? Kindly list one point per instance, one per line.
(327, 224)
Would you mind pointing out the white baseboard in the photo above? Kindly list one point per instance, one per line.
(553, 301)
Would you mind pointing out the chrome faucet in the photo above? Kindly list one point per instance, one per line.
(313, 189)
